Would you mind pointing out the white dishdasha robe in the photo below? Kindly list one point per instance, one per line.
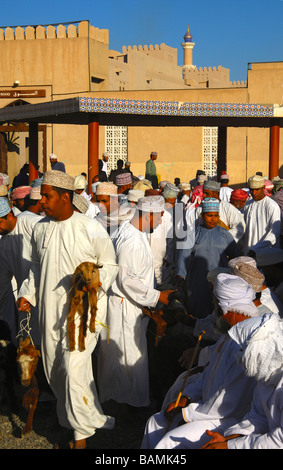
(263, 222)
(219, 395)
(262, 427)
(58, 248)
(15, 260)
(123, 363)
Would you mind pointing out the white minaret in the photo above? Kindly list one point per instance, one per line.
(188, 46)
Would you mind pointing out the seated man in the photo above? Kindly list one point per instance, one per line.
(219, 394)
(261, 427)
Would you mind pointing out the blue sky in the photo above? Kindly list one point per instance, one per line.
(229, 33)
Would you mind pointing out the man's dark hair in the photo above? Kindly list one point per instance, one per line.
(62, 191)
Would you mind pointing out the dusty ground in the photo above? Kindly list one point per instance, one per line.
(127, 433)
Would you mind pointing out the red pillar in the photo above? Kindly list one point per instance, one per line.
(33, 151)
(274, 151)
(93, 149)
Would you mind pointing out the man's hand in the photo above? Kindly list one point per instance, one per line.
(178, 282)
(172, 410)
(186, 357)
(164, 296)
(218, 441)
(23, 304)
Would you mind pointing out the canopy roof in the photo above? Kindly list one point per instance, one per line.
(132, 112)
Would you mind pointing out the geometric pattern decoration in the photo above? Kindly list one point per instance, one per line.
(210, 148)
(116, 144)
(173, 108)
(70, 110)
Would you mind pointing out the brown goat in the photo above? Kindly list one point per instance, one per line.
(84, 286)
(27, 357)
(161, 324)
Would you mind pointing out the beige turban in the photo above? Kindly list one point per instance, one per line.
(59, 179)
(106, 189)
(143, 185)
(256, 182)
(80, 203)
(250, 274)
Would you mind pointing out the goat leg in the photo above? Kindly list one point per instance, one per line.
(30, 403)
(93, 309)
(71, 319)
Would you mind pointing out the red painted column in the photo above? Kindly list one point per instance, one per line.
(274, 151)
(33, 151)
(93, 151)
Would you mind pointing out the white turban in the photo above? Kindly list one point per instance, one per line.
(234, 295)
(261, 339)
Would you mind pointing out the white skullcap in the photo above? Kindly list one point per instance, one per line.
(141, 177)
(151, 204)
(4, 179)
(261, 339)
(52, 156)
(106, 189)
(59, 179)
(80, 203)
(135, 194)
(256, 182)
(234, 294)
(80, 182)
(35, 193)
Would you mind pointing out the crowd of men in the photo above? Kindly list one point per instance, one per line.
(220, 249)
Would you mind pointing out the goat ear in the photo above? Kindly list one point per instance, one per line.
(97, 266)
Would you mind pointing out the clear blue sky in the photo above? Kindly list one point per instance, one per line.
(226, 32)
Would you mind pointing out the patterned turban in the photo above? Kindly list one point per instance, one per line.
(4, 207)
(239, 195)
(123, 179)
(210, 204)
(151, 204)
(20, 193)
(59, 179)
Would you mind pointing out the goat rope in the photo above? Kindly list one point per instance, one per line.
(25, 327)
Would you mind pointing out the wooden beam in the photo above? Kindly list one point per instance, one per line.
(93, 149)
(274, 151)
(33, 151)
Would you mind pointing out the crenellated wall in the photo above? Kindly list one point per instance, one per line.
(210, 77)
(60, 31)
(63, 56)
